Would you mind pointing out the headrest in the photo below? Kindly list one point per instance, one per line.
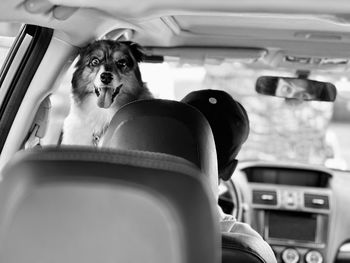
(87, 205)
(168, 127)
(228, 121)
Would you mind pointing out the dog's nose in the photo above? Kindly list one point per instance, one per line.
(106, 77)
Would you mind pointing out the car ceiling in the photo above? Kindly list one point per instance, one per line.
(309, 33)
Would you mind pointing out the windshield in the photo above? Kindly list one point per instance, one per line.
(281, 130)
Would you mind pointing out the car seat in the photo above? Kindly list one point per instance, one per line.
(168, 127)
(179, 129)
(88, 205)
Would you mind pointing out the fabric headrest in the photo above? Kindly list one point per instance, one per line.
(168, 127)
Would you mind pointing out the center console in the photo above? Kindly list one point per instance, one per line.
(290, 209)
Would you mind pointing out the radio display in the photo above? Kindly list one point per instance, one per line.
(284, 176)
(292, 226)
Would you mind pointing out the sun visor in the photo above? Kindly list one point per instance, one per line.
(200, 55)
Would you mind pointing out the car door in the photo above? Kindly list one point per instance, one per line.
(17, 72)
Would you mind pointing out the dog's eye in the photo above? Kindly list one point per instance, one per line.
(95, 62)
(122, 63)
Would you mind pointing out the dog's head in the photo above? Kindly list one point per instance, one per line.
(106, 68)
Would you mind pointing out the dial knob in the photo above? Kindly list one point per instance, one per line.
(290, 255)
(313, 256)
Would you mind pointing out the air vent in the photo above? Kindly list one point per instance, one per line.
(316, 201)
(264, 197)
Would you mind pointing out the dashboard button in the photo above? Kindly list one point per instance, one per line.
(264, 197)
(290, 199)
(316, 201)
(290, 255)
(313, 256)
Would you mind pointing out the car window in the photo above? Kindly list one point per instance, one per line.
(8, 32)
(308, 132)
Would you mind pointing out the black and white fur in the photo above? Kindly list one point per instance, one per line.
(106, 77)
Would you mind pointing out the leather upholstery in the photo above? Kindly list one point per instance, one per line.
(168, 127)
(83, 205)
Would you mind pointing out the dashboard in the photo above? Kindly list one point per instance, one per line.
(301, 211)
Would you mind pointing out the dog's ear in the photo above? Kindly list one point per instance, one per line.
(136, 50)
(81, 54)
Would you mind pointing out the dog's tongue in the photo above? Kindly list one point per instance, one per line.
(104, 100)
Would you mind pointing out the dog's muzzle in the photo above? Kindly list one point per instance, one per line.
(106, 78)
(106, 95)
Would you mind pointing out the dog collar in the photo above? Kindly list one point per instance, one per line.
(95, 139)
(96, 136)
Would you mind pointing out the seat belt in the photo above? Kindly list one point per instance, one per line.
(39, 126)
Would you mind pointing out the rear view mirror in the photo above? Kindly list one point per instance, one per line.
(296, 88)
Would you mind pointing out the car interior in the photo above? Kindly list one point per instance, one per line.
(150, 191)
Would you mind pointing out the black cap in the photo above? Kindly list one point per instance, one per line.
(229, 123)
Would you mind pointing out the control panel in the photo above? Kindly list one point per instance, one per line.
(297, 255)
(293, 220)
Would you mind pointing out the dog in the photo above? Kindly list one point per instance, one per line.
(106, 77)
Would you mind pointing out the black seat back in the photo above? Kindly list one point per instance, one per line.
(165, 126)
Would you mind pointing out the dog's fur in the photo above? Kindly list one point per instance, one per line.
(106, 77)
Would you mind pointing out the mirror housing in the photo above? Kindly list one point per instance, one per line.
(296, 88)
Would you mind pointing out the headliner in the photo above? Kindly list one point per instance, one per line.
(281, 28)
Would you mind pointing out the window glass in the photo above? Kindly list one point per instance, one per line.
(8, 33)
(309, 132)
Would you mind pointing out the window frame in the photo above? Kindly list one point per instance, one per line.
(18, 71)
